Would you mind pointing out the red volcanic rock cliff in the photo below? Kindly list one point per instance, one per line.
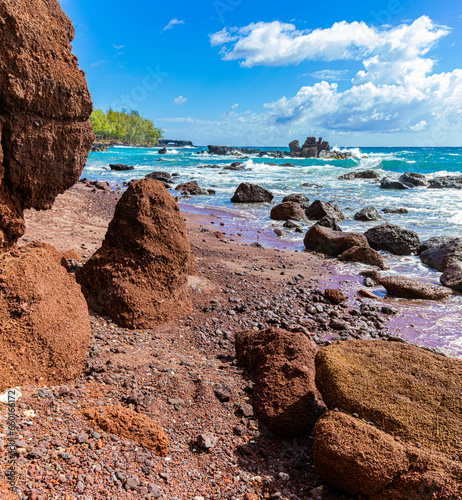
(45, 106)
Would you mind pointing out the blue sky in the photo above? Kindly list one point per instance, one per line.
(248, 72)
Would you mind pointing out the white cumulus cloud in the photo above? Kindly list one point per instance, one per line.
(173, 23)
(396, 91)
(179, 100)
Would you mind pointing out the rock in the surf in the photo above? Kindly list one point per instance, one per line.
(440, 256)
(393, 239)
(413, 179)
(367, 214)
(251, 193)
(319, 209)
(288, 210)
(365, 174)
(387, 183)
(452, 276)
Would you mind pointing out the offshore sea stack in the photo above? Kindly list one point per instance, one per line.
(139, 275)
(44, 321)
(44, 111)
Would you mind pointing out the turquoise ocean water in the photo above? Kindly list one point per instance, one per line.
(432, 212)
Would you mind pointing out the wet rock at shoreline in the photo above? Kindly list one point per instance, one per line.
(128, 424)
(251, 193)
(452, 276)
(45, 106)
(319, 209)
(413, 179)
(288, 210)
(163, 177)
(192, 188)
(367, 214)
(408, 288)
(442, 252)
(324, 240)
(395, 210)
(224, 151)
(120, 167)
(299, 198)
(162, 151)
(282, 365)
(393, 239)
(44, 320)
(387, 183)
(365, 255)
(139, 275)
(365, 174)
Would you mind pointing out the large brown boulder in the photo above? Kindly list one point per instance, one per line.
(44, 320)
(139, 275)
(282, 365)
(288, 210)
(324, 240)
(44, 109)
(365, 255)
(452, 276)
(362, 459)
(403, 389)
(442, 253)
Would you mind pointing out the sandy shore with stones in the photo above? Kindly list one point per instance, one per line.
(183, 374)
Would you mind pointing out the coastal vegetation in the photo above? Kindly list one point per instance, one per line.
(124, 126)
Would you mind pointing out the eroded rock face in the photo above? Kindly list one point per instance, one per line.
(282, 365)
(139, 275)
(44, 320)
(44, 109)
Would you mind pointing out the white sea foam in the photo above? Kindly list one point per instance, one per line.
(457, 218)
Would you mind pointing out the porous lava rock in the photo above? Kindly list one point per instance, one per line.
(365, 255)
(335, 295)
(330, 222)
(413, 179)
(393, 239)
(324, 240)
(129, 424)
(297, 197)
(288, 210)
(365, 174)
(44, 320)
(45, 106)
(251, 193)
(319, 209)
(358, 457)
(403, 389)
(139, 275)
(282, 365)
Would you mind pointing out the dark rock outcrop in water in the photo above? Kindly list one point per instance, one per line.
(282, 364)
(441, 252)
(120, 167)
(367, 214)
(393, 239)
(139, 275)
(365, 174)
(387, 183)
(44, 109)
(448, 182)
(413, 179)
(251, 193)
(319, 209)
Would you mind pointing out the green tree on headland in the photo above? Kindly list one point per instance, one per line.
(124, 126)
